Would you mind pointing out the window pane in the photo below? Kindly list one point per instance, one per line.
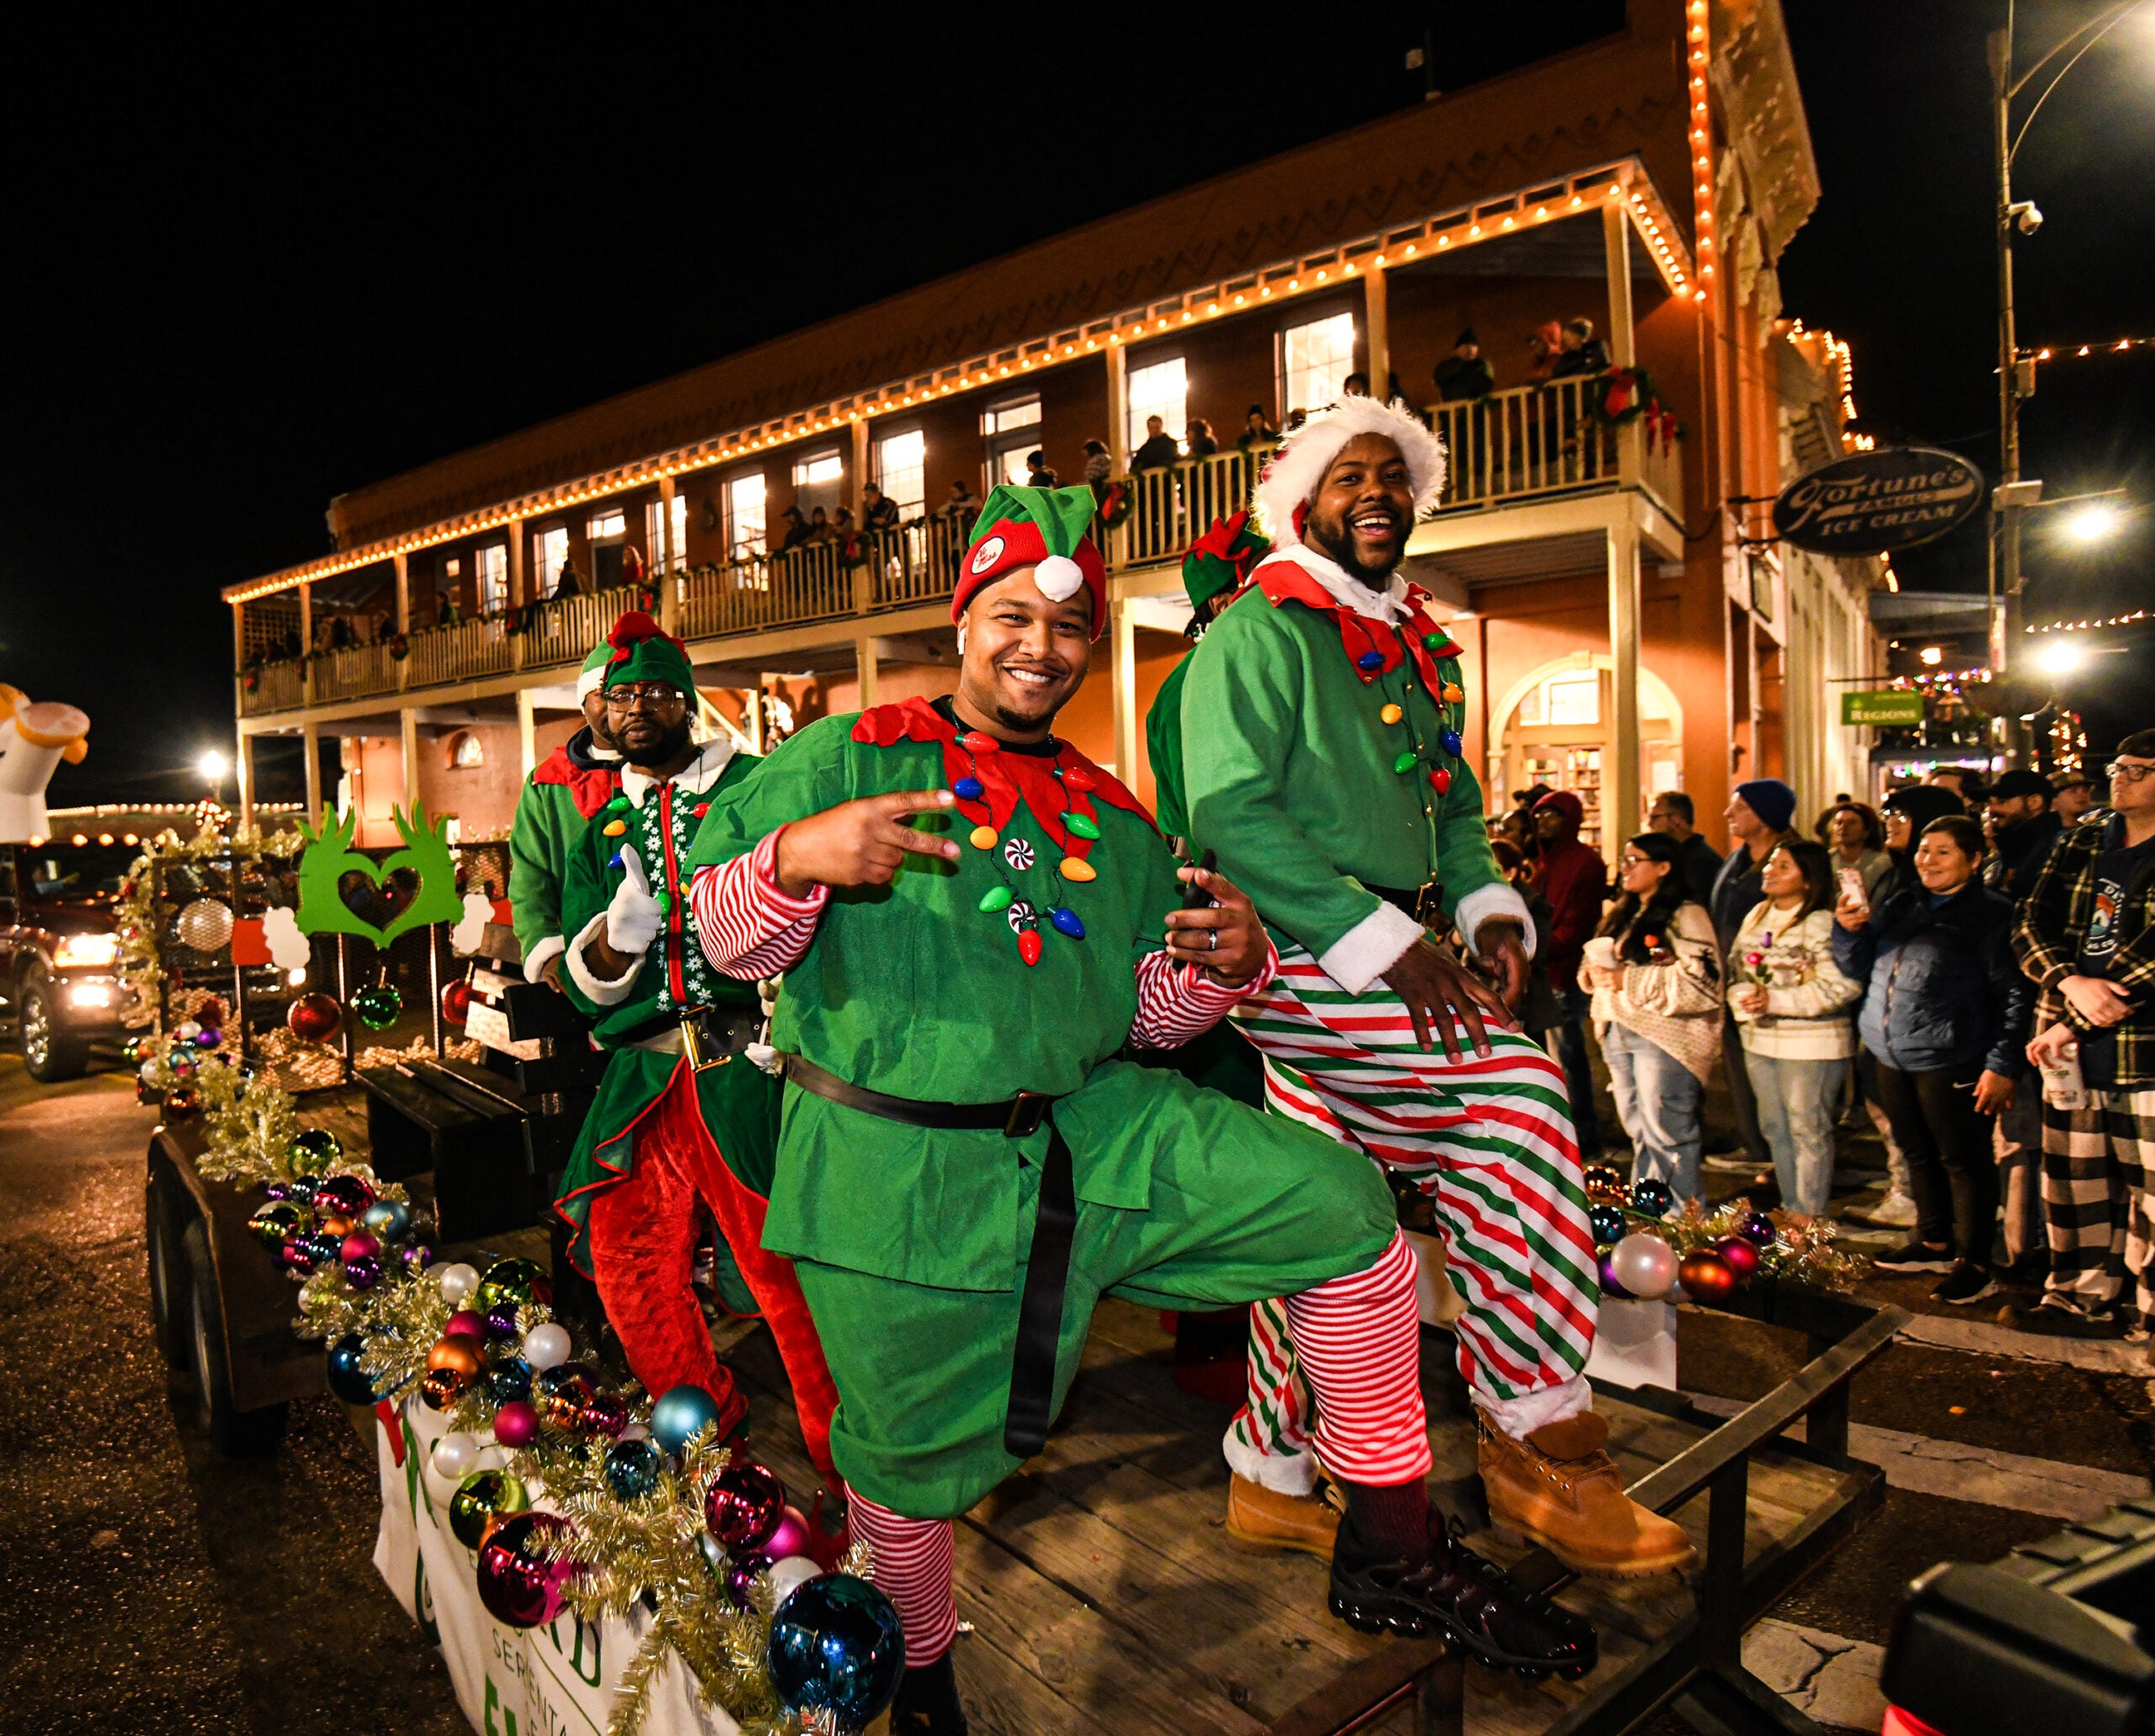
(654, 526)
(1011, 466)
(492, 569)
(1315, 360)
(1015, 412)
(549, 553)
(1575, 699)
(902, 471)
(1162, 390)
(613, 523)
(818, 467)
(744, 516)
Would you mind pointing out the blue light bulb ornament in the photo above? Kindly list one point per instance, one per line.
(1451, 740)
(1067, 923)
(1370, 661)
(969, 789)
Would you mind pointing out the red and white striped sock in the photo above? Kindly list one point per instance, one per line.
(1359, 1340)
(913, 1570)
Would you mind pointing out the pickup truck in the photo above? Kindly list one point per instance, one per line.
(61, 988)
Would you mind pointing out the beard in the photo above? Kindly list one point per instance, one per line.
(1337, 543)
(667, 744)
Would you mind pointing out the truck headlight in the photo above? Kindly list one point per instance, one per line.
(90, 994)
(86, 950)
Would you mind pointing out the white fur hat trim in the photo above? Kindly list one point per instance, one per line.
(1058, 577)
(1297, 471)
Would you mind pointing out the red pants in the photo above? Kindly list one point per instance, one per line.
(643, 1237)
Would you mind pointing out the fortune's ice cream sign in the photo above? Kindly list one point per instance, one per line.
(1874, 503)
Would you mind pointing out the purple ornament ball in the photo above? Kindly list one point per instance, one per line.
(1611, 1291)
(362, 1274)
(742, 1576)
(279, 1190)
(501, 1320)
(606, 1414)
(517, 1590)
(417, 1258)
(1758, 1228)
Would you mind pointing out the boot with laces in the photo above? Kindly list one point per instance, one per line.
(1559, 1488)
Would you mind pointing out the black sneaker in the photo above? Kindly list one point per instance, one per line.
(927, 1702)
(1470, 1601)
(1913, 1257)
(2049, 1319)
(2031, 1269)
(1965, 1283)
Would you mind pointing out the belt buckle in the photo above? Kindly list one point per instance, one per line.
(1429, 905)
(691, 1042)
(1028, 1109)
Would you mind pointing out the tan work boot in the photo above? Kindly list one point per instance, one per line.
(1262, 1521)
(1559, 1488)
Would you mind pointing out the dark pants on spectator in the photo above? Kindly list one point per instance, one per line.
(1950, 1165)
(1570, 1038)
(1742, 1098)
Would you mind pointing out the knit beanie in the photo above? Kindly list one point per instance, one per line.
(1771, 800)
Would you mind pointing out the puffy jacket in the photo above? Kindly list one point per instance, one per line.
(1944, 991)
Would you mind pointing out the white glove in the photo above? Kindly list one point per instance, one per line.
(633, 918)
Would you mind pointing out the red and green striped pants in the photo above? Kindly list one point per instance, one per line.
(1490, 1140)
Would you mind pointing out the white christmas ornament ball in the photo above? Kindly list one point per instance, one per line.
(547, 1346)
(187, 1030)
(455, 1457)
(205, 925)
(459, 1283)
(148, 1071)
(1645, 1265)
(790, 1574)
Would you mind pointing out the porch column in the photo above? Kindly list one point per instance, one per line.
(518, 595)
(404, 626)
(858, 479)
(1119, 408)
(1376, 333)
(864, 660)
(1616, 252)
(1122, 689)
(1621, 809)
(527, 740)
(754, 695)
(306, 644)
(244, 763)
(310, 751)
(409, 721)
(670, 587)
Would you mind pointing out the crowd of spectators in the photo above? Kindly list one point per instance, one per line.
(1969, 963)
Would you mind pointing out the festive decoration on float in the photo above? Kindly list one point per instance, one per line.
(836, 1648)
(314, 1018)
(377, 1007)
(1705, 1256)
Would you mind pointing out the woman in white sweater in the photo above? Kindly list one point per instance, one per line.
(1797, 1012)
(1657, 980)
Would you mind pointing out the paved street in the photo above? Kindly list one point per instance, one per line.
(155, 1586)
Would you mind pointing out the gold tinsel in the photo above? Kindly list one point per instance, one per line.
(1798, 1254)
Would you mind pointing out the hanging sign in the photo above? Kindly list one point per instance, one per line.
(1889, 706)
(1873, 503)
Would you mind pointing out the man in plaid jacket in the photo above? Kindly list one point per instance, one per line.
(2086, 937)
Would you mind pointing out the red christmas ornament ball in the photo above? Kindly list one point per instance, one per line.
(314, 1018)
(464, 1322)
(744, 1506)
(456, 1003)
(1741, 1255)
(1706, 1275)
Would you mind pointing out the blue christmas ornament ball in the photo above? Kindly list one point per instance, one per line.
(388, 1219)
(836, 1648)
(509, 1381)
(1654, 1198)
(346, 1379)
(632, 1467)
(678, 1415)
(1608, 1224)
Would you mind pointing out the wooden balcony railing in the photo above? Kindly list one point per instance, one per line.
(1514, 445)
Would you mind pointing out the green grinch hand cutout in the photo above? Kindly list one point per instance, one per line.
(329, 857)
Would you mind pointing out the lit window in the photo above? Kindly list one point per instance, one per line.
(466, 751)
(452, 566)
(817, 469)
(549, 554)
(654, 526)
(608, 525)
(1011, 414)
(1162, 390)
(1011, 466)
(902, 471)
(1315, 360)
(1574, 699)
(744, 516)
(491, 564)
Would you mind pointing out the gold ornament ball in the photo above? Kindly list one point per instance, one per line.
(443, 1387)
(205, 925)
(461, 1352)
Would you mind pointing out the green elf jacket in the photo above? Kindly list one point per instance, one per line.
(911, 1243)
(1163, 746)
(1309, 785)
(739, 1101)
(559, 798)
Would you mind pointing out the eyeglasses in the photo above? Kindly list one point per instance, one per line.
(1628, 861)
(2130, 773)
(651, 698)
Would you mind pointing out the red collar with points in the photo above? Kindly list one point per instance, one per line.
(1281, 581)
(1006, 778)
(590, 790)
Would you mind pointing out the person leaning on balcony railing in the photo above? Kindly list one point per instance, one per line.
(1257, 431)
(1197, 439)
(1466, 373)
(1159, 450)
(878, 512)
(1037, 473)
(1099, 465)
(1578, 351)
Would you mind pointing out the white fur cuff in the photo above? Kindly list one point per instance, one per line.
(1520, 1417)
(1484, 902)
(1371, 948)
(1285, 1474)
(604, 992)
(536, 961)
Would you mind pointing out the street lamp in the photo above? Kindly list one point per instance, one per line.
(213, 765)
(2016, 374)
(2061, 659)
(2094, 523)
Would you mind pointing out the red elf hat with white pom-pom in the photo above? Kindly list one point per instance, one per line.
(1048, 530)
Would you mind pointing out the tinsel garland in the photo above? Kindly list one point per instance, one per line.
(1798, 1254)
(141, 959)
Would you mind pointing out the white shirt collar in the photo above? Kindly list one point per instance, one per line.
(1389, 605)
(698, 775)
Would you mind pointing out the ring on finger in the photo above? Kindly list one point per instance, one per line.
(1212, 940)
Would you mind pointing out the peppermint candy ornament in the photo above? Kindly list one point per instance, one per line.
(1018, 854)
(1020, 914)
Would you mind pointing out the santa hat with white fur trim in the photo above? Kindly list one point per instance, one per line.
(1048, 530)
(1291, 480)
(592, 676)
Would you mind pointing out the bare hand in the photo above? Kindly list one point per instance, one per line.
(550, 974)
(2047, 1049)
(1748, 998)
(1228, 942)
(1851, 913)
(860, 842)
(1993, 1094)
(2097, 1000)
(1439, 991)
(1502, 943)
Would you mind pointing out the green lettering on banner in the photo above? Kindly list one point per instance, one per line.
(493, 1699)
(423, 1601)
(575, 1655)
(1888, 706)
(411, 1465)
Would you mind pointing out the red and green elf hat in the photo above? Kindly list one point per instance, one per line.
(644, 651)
(1221, 560)
(1048, 530)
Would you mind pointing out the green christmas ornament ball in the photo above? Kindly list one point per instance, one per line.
(514, 1283)
(312, 1151)
(479, 1500)
(377, 1007)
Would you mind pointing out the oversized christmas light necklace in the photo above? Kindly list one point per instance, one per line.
(1005, 899)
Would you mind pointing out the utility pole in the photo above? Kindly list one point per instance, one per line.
(2005, 508)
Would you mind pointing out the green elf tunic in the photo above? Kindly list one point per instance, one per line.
(1218, 563)
(911, 1244)
(559, 798)
(739, 1101)
(1318, 776)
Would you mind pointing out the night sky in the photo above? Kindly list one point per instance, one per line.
(251, 272)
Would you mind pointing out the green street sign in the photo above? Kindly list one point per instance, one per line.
(1892, 706)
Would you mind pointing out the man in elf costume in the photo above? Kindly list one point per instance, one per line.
(952, 1237)
(1217, 566)
(572, 784)
(1322, 721)
(684, 1123)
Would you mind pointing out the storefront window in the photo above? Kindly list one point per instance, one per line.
(1315, 360)
(1162, 390)
(902, 471)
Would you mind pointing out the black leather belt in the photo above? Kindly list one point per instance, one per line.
(719, 1030)
(1424, 902)
(1047, 1266)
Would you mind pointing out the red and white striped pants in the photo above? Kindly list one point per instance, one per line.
(1490, 1140)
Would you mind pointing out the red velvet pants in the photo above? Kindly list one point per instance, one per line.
(643, 1237)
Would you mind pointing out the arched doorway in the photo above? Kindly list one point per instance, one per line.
(1552, 726)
